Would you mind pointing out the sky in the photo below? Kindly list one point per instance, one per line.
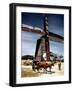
(55, 25)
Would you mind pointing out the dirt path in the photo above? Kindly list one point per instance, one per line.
(28, 72)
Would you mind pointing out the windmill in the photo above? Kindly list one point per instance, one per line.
(42, 53)
(42, 47)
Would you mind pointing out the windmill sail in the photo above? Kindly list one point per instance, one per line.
(52, 36)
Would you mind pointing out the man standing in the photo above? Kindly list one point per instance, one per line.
(59, 65)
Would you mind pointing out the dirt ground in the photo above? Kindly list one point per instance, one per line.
(26, 71)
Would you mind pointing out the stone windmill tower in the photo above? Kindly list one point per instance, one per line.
(42, 48)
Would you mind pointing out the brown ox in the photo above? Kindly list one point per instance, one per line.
(42, 64)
